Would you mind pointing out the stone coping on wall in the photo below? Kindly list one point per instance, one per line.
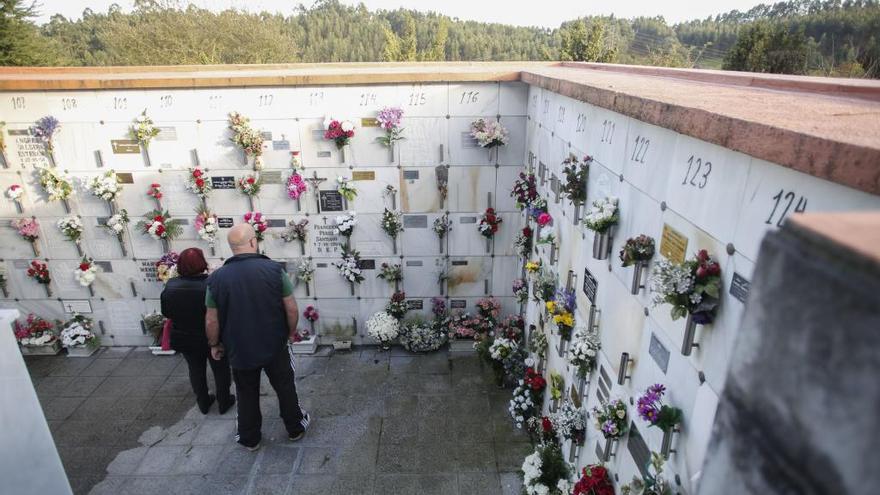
(825, 127)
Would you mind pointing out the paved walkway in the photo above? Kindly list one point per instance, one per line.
(125, 422)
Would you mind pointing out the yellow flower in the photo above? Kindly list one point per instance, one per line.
(565, 319)
(533, 266)
(551, 306)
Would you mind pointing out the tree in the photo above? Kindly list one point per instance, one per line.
(20, 41)
(587, 44)
(764, 47)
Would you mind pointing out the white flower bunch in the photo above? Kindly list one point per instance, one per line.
(670, 278)
(72, 227)
(348, 267)
(105, 186)
(603, 215)
(531, 469)
(546, 235)
(117, 222)
(489, 134)
(77, 332)
(345, 223)
(58, 185)
(14, 192)
(86, 272)
(569, 420)
(501, 348)
(584, 350)
(305, 271)
(538, 344)
(383, 327)
(208, 229)
(521, 404)
(421, 337)
(42, 339)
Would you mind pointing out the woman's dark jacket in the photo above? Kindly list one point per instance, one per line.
(183, 302)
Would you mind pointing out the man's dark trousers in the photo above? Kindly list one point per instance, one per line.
(280, 371)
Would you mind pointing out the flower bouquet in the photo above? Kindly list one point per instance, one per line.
(546, 232)
(349, 267)
(258, 222)
(545, 472)
(397, 306)
(442, 226)
(338, 132)
(525, 190)
(77, 336)
(249, 185)
(544, 288)
(600, 219)
(116, 225)
(345, 224)
(306, 341)
(389, 120)
(419, 336)
(29, 230)
(570, 422)
(538, 343)
(584, 351)
(86, 273)
(58, 185)
(594, 481)
(143, 131)
(533, 267)
(521, 290)
(392, 224)
(462, 327)
(538, 206)
(692, 288)
(305, 272)
(637, 251)
(523, 242)
(391, 273)
(297, 231)
(384, 328)
(441, 172)
(311, 315)
(36, 336)
(652, 409)
(206, 226)
(296, 186)
(557, 383)
(653, 483)
(488, 308)
(562, 308)
(106, 187)
(160, 226)
(344, 187)
(40, 273)
(501, 351)
(155, 192)
(611, 421)
(154, 325)
(45, 129)
(488, 226)
(71, 228)
(166, 267)
(575, 186)
(197, 184)
(527, 397)
(247, 138)
(489, 134)
(14, 193)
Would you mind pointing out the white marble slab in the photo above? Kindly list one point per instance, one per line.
(469, 188)
(474, 99)
(648, 159)
(426, 142)
(418, 237)
(505, 269)
(514, 98)
(421, 275)
(512, 153)
(328, 282)
(469, 276)
(423, 100)
(419, 192)
(607, 138)
(463, 149)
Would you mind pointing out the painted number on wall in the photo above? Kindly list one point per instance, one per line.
(120, 103)
(417, 99)
(18, 102)
(469, 97)
(214, 101)
(581, 125)
(166, 101)
(640, 149)
(316, 98)
(607, 131)
(265, 100)
(560, 115)
(701, 173)
(68, 103)
(367, 99)
(786, 198)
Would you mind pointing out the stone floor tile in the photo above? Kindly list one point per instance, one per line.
(511, 483)
(277, 459)
(198, 459)
(129, 386)
(127, 461)
(160, 459)
(236, 460)
(215, 432)
(272, 484)
(101, 367)
(60, 408)
(482, 483)
(71, 367)
(509, 455)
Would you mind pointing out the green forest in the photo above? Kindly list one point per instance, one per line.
(828, 38)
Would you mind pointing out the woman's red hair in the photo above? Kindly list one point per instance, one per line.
(191, 262)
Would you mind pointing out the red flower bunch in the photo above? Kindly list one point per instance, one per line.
(197, 178)
(489, 223)
(311, 314)
(155, 191)
(706, 266)
(546, 424)
(39, 272)
(527, 232)
(594, 481)
(197, 184)
(33, 325)
(534, 380)
(258, 222)
(340, 132)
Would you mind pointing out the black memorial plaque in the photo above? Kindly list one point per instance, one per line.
(105, 266)
(638, 449)
(739, 287)
(276, 222)
(458, 304)
(223, 182)
(224, 222)
(410, 175)
(332, 201)
(467, 220)
(590, 285)
(415, 304)
(659, 352)
(459, 262)
(367, 264)
(415, 221)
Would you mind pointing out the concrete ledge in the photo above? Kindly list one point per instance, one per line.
(856, 232)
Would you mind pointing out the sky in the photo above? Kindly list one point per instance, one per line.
(544, 13)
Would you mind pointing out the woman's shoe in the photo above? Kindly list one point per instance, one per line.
(204, 406)
(222, 407)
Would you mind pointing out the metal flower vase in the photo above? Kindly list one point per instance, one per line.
(638, 271)
(690, 331)
(666, 443)
(607, 451)
(602, 245)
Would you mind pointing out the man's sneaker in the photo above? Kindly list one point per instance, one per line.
(305, 423)
(254, 448)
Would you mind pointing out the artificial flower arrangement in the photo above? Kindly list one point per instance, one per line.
(389, 119)
(523, 242)
(570, 422)
(420, 336)
(35, 331)
(77, 332)
(603, 215)
(512, 327)
(116, 225)
(247, 138)
(538, 206)
(349, 266)
(584, 351)
(196, 183)
(39, 272)
(344, 187)
(391, 273)
(652, 409)
(206, 225)
(397, 306)
(29, 230)
(155, 192)
(653, 482)
(527, 397)
(594, 480)
(441, 318)
(525, 190)
(71, 228)
(611, 418)
(250, 185)
(507, 359)
(392, 224)
(345, 223)
(489, 223)
(692, 288)
(538, 343)
(311, 315)
(301, 335)
(166, 267)
(544, 219)
(639, 249)
(521, 290)
(441, 172)
(154, 324)
(305, 272)
(489, 134)
(442, 226)
(14, 193)
(545, 471)
(463, 327)
(143, 131)
(383, 327)
(45, 130)
(258, 222)
(86, 273)
(488, 309)
(544, 288)
(58, 185)
(340, 132)
(296, 184)
(296, 231)
(533, 267)
(546, 231)
(575, 185)
(557, 383)
(562, 308)
(541, 431)
(160, 226)
(105, 186)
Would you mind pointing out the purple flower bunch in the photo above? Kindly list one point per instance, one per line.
(438, 307)
(652, 410)
(568, 298)
(46, 128)
(390, 117)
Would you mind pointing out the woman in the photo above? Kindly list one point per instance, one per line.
(183, 302)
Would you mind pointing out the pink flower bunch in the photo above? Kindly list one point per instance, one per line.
(259, 223)
(311, 313)
(339, 132)
(296, 186)
(27, 228)
(545, 219)
(389, 118)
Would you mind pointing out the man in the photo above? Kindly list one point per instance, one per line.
(251, 314)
